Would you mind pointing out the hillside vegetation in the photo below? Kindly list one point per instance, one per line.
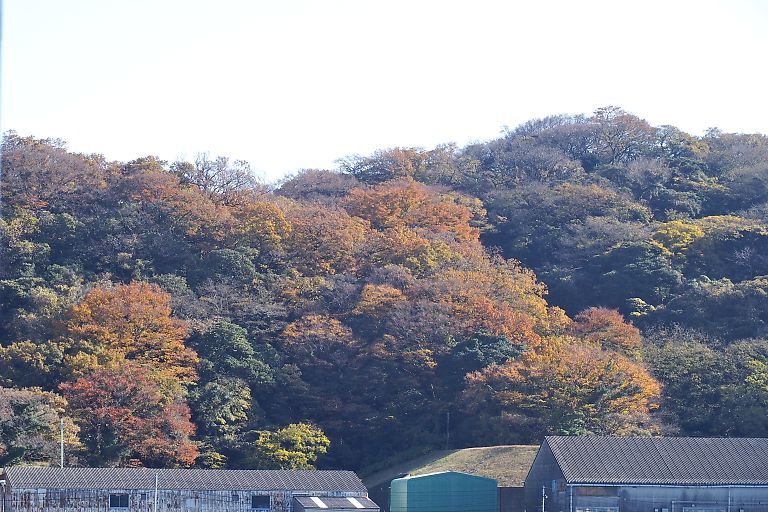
(580, 274)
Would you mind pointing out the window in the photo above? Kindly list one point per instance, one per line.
(260, 502)
(235, 497)
(118, 501)
(54, 498)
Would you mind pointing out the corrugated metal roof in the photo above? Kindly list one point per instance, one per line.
(337, 503)
(662, 460)
(189, 479)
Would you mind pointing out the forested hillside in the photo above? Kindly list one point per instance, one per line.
(580, 274)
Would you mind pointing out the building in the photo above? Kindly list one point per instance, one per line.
(348, 504)
(446, 491)
(39, 489)
(511, 499)
(612, 474)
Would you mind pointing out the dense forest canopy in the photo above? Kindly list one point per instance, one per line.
(580, 274)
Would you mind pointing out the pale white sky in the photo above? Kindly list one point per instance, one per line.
(289, 84)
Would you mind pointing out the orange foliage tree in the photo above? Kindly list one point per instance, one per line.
(132, 322)
(325, 240)
(607, 329)
(259, 224)
(569, 388)
(413, 205)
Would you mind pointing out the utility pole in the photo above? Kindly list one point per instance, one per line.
(1, 165)
(2, 495)
(447, 429)
(543, 497)
(61, 452)
(156, 485)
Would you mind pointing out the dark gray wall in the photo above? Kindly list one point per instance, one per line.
(545, 473)
(511, 499)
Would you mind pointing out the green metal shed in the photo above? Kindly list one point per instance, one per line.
(447, 491)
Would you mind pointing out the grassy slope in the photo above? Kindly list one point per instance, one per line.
(507, 464)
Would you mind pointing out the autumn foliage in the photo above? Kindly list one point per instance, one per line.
(124, 415)
(573, 388)
(133, 322)
(548, 281)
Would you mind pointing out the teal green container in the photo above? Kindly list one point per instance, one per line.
(447, 491)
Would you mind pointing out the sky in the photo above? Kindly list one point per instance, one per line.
(292, 84)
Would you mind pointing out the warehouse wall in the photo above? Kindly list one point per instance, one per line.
(683, 498)
(90, 500)
(544, 473)
(511, 499)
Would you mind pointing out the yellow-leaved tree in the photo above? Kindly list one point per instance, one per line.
(296, 446)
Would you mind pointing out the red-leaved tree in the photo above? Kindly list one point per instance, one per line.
(126, 419)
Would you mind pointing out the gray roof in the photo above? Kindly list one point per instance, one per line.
(662, 460)
(190, 479)
(337, 504)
